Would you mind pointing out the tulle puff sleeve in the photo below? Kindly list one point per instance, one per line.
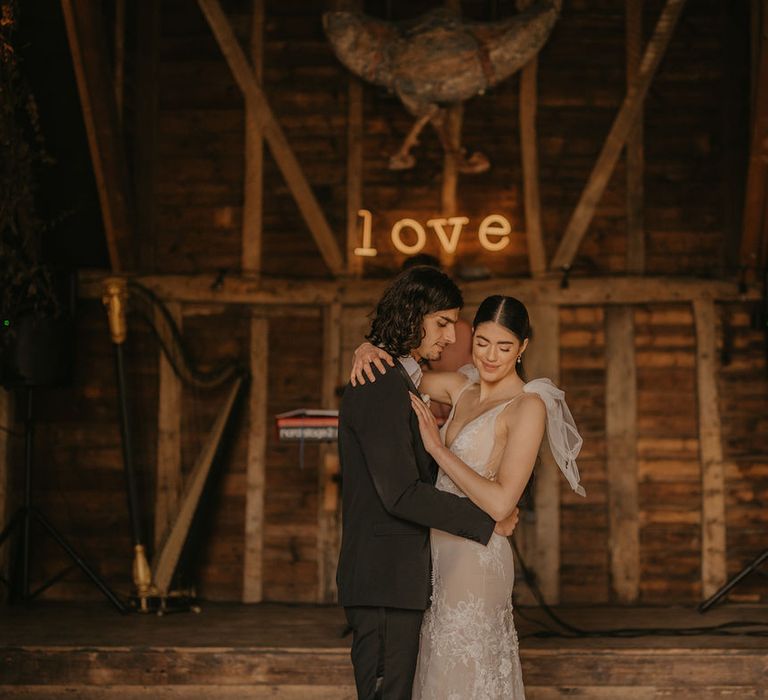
(564, 439)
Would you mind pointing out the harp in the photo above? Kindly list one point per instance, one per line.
(152, 584)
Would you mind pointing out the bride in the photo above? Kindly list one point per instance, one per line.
(486, 451)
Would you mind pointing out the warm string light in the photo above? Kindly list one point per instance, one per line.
(493, 233)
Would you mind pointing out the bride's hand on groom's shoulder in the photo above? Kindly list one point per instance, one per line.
(365, 356)
(506, 527)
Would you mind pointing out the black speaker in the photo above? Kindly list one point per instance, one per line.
(39, 349)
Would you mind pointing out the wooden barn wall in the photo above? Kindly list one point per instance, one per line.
(78, 479)
(744, 410)
(200, 165)
(197, 216)
(669, 471)
(291, 499)
(216, 546)
(78, 475)
(584, 552)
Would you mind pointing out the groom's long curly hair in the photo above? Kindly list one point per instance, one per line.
(397, 321)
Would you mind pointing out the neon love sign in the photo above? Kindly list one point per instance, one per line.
(493, 233)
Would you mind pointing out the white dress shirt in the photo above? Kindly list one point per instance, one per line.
(413, 368)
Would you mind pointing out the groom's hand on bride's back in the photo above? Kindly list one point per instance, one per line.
(365, 356)
(506, 527)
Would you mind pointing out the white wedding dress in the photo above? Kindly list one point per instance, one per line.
(468, 648)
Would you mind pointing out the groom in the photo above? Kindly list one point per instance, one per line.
(389, 500)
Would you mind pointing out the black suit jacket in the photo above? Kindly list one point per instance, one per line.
(389, 500)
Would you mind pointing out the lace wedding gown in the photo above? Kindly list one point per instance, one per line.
(468, 648)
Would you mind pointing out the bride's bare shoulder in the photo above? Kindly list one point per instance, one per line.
(527, 410)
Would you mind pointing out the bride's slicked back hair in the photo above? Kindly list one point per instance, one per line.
(397, 321)
(506, 311)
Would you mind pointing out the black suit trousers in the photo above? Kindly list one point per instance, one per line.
(385, 647)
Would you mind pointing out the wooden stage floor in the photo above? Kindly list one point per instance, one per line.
(287, 652)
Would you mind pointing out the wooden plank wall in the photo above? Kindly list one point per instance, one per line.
(201, 122)
(669, 473)
(79, 482)
(743, 384)
(290, 537)
(584, 553)
(78, 477)
(198, 176)
(218, 543)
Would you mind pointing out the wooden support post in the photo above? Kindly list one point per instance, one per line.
(259, 112)
(85, 31)
(713, 563)
(621, 448)
(537, 261)
(542, 359)
(168, 476)
(255, 476)
(623, 124)
(635, 154)
(146, 118)
(454, 117)
(621, 371)
(329, 522)
(754, 240)
(119, 59)
(734, 138)
(354, 173)
(355, 263)
(5, 470)
(254, 158)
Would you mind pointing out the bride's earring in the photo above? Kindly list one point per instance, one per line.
(519, 359)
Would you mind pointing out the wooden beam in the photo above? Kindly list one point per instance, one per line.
(542, 359)
(537, 259)
(713, 562)
(168, 473)
(254, 158)
(635, 149)
(119, 54)
(260, 113)
(454, 117)
(354, 162)
(734, 138)
(262, 311)
(598, 291)
(617, 137)
(329, 520)
(621, 452)
(256, 466)
(354, 173)
(85, 31)
(754, 239)
(146, 128)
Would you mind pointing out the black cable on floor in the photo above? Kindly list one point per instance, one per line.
(569, 631)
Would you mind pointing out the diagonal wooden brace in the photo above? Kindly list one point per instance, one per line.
(260, 111)
(622, 126)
